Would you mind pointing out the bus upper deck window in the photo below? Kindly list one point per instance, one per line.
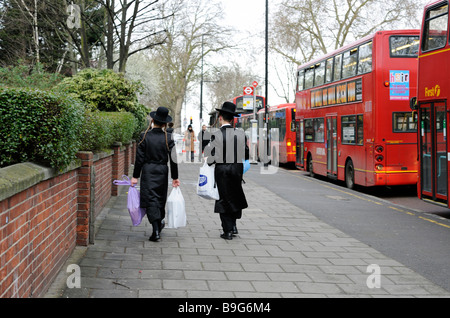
(349, 63)
(365, 58)
(404, 46)
(435, 31)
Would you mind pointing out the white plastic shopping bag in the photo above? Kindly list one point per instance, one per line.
(206, 186)
(176, 212)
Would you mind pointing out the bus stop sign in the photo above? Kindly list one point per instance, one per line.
(248, 91)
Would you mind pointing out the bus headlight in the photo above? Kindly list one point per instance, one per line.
(379, 158)
(379, 167)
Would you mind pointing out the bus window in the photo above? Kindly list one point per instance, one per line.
(329, 71)
(435, 32)
(404, 46)
(319, 129)
(348, 124)
(405, 122)
(337, 67)
(309, 78)
(349, 63)
(352, 130)
(300, 81)
(309, 130)
(365, 58)
(319, 77)
(314, 130)
(360, 132)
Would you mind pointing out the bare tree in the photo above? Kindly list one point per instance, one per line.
(308, 28)
(232, 80)
(32, 12)
(194, 32)
(129, 28)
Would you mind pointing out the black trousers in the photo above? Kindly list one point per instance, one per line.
(229, 220)
(155, 214)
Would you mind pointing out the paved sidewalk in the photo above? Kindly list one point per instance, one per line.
(281, 251)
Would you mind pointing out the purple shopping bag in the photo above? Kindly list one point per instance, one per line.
(133, 203)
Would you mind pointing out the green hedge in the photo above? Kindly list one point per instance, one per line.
(39, 126)
(100, 129)
(107, 91)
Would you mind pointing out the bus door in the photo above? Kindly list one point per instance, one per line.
(332, 146)
(433, 151)
(300, 142)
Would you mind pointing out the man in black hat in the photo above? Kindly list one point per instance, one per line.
(228, 149)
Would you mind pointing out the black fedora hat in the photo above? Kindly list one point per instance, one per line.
(161, 115)
(228, 107)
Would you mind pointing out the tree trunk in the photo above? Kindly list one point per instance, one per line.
(110, 35)
(86, 63)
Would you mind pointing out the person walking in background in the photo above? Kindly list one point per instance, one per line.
(170, 128)
(189, 141)
(153, 153)
(229, 168)
(204, 138)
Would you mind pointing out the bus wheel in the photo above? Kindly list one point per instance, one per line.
(310, 167)
(350, 175)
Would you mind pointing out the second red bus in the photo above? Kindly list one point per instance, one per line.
(354, 122)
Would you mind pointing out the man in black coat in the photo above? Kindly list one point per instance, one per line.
(155, 150)
(228, 149)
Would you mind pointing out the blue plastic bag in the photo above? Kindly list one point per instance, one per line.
(246, 165)
(133, 201)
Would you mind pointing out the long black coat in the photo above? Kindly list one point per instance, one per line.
(228, 149)
(152, 157)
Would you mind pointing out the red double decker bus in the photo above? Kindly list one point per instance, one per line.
(244, 104)
(353, 117)
(432, 104)
(281, 131)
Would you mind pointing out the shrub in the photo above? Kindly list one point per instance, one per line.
(28, 77)
(101, 129)
(103, 90)
(108, 91)
(38, 126)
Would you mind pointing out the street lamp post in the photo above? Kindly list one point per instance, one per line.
(266, 110)
(201, 88)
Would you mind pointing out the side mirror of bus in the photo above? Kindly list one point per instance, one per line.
(293, 127)
(413, 103)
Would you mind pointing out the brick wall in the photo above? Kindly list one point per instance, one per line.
(45, 214)
(37, 233)
(103, 188)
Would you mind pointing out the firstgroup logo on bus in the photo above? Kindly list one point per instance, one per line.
(433, 92)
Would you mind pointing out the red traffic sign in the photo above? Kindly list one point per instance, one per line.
(255, 84)
(248, 90)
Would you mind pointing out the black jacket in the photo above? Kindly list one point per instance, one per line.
(228, 149)
(152, 157)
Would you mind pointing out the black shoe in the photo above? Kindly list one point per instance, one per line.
(155, 235)
(234, 231)
(227, 236)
